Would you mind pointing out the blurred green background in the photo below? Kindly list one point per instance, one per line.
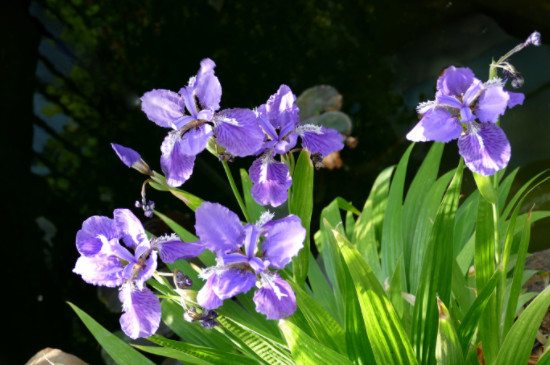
(73, 72)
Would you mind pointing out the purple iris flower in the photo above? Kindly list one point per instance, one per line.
(281, 123)
(468, 109)
(244, 256)
(194, 123)
(106, 262)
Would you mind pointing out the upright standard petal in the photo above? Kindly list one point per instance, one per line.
(88, 241)
(171, 248)
(142, 312)
(324, 141)
(473, 92)
(264, 123)
(163, 107)
(218, 228)
(491, 104)
(271, 181)
(129, 227)
(207, 86)
(485, 148)
(176, 165)
(436, 125)
(284, 238)
(455, 81)
(103, 270)
(229, 283)
(275, 298)
(237, 130)
(281, 111)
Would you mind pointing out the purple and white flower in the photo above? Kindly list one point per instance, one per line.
(104, 261)
(281, 123)
(245, 255)
(194, 123)
(468, 109)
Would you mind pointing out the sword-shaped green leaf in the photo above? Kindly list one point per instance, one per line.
(119, 350)
(301, 204)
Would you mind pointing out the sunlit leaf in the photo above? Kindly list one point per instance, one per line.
(119, 350)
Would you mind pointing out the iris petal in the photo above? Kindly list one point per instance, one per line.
(515, 99)
(485, 150)
(283, 240)
(163, 107)
(176, 165)
(324, 143)
(88, 242)
(142, 312)
(173, 250)
(436, 125)
(455, 81)
(271, 181)
(238, 131)
(147, 271)
(491, 104)
(100, 270)
(206, 296)
(129, 227)
(281, 110)
(218, 228)
(207, 86)
(232, 282)
(275, 298)
(194, 140)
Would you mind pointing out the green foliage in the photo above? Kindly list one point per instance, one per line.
(392, 283)
(119, 350)
(300, 202)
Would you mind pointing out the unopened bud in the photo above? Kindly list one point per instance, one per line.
(517, 81)
(191, 315)
(181, 280)
(226, 157)
(317, 160)
(208, 319)
(533, 39)
(132, 159)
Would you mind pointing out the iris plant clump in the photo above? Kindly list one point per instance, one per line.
(245, 254)
(392, 284)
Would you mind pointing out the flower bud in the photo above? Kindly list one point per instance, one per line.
(533, 39)
(517, 81)
(181, 280)
(132, 159)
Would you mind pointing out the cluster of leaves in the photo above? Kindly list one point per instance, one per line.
(393, 283)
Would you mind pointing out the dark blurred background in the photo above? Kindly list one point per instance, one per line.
(73, 72)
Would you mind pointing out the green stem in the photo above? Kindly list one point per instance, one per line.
(498, 253)
(288, 159)
(499, 256)
(235, 190)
